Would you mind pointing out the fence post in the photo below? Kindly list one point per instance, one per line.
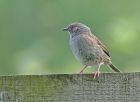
(108, 87)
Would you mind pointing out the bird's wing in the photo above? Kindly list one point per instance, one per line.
(102, 46)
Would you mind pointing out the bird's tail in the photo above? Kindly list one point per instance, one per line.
(114, 68)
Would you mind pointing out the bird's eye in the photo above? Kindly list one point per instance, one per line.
(76, 29)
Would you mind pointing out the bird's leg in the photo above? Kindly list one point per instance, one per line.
(97, 73)
(83, 69)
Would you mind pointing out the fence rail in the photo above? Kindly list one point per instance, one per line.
(109, 87)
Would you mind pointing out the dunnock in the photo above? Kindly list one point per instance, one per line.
(87, 48)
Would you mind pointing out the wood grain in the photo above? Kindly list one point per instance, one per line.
(109, 87)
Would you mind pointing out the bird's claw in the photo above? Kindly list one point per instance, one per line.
(97, 73)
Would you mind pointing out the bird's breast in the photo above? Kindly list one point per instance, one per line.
(84, 51)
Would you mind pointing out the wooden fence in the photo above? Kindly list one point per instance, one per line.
(109, 87)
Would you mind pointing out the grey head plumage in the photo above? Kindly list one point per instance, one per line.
(77, 28)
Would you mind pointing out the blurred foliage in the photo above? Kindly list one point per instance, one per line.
(32, 40)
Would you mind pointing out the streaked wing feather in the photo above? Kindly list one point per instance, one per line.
(102, 46)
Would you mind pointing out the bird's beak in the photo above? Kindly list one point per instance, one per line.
(65, 29)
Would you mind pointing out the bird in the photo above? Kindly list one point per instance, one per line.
(87, 48)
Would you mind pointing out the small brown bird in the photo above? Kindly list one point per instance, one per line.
(87, 48)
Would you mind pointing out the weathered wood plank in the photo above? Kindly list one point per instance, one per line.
(109, 87)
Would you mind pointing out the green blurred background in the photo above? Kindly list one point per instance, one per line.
(32, 40)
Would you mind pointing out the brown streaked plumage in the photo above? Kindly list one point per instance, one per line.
(87, 48)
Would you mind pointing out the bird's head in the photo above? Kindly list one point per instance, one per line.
(77, 28)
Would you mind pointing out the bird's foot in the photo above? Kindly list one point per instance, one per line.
(95, 74)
